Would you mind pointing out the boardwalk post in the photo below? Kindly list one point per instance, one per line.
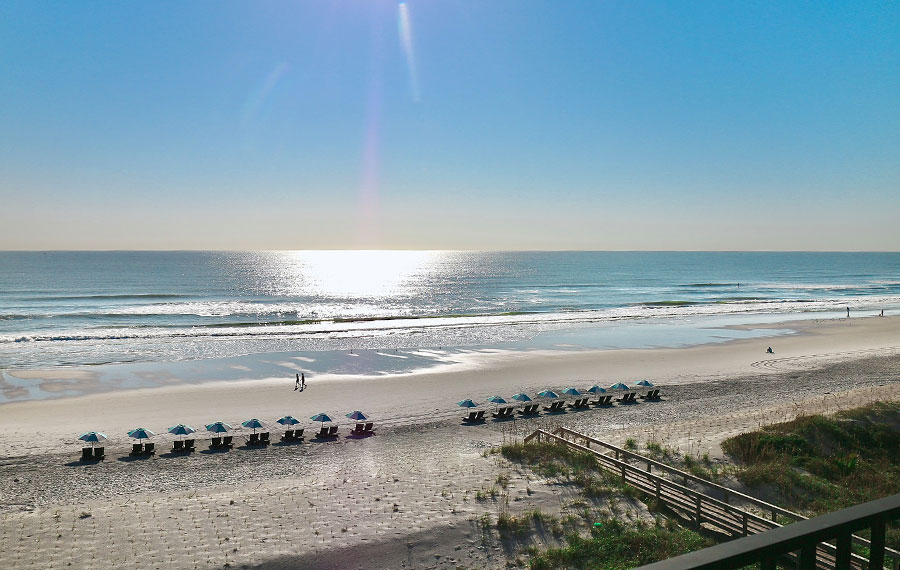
(744, 525)
(699, 511)
(876, 548)
(658, 493)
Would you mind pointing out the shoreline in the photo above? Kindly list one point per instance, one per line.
(48, 425)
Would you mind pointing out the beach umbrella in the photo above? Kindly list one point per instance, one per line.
(619, 386)
(596, 390)
(288, 421)
(466, 404)
(181, 429)
(548, 394)
(357, 415)
(141, 433)
(571, 392)
(218, 427)
(92, 437)
(497, 400)
(253, 424)
(321, 417)
(522, 397)
(645, 383)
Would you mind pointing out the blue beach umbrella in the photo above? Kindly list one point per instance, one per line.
(522, 397)
(619, 386)
(571, 392)
(253, 423)
(467, 404)
(218, 427)
(92, 437)
(181, 429)
(141, 433)
(548, 394)
(596, 390)
(357, 415)
(645, 383)
(321, 417)
(288, 421)
(497, 400)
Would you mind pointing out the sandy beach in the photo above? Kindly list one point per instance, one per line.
(404, 497)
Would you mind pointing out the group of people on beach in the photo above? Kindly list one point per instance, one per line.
(301, 382)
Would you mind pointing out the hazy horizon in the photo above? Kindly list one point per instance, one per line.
(459, 125)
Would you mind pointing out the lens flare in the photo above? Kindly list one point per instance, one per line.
(404, 28)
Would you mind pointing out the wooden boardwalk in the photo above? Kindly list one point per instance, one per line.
(669, 486)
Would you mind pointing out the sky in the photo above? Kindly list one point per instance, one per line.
(451, 124)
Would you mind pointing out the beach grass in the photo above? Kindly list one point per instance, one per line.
(822, 463)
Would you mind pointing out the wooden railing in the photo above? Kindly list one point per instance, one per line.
(804, 537)
(692, 504)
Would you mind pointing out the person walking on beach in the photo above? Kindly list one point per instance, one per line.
(848, 312)
(302, 381)
(297, 384)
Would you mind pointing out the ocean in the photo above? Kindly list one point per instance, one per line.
(91, 308)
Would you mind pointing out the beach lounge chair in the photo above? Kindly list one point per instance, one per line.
(500, 413)
(227, 441)
(87, 453)
(189, 445)
(253, 439)
(369, 427)
(99, 453)
(471, 417)
(177, 445)
(264, 438)
(137, 448)
(652, 395)
(298, 434)
(359, 429)
(149, 449)
(530, 410)
(323, 432)
(288, 435)
(333, 430)
(479, 416)
(215, 442)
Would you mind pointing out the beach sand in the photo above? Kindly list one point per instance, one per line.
(407, 496)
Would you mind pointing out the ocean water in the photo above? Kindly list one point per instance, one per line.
(89, 308)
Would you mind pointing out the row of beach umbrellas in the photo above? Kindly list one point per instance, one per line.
(523, 397)
(93, 437)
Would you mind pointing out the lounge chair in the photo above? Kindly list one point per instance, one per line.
(323, 432)
(215, 442)
(471, 417)
(178, 445)
(651, 395)
(288, 435)
(87, 453)
(360, 429)
(189, 445)
(253, 439)
(264, 438)
(579, 404)
(333, 430)
(479, 416)
(137, 448)
(500, 413)
(99, 452)
(369, 427)
(298, 434)
(227, 441)
(530, 410)
(149, 449)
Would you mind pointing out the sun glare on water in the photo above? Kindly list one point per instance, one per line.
(361, 273)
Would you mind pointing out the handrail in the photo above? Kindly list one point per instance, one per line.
(766, 547)
(668, 483)
(775, 509)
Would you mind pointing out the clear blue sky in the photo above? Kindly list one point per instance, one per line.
(450, 124)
